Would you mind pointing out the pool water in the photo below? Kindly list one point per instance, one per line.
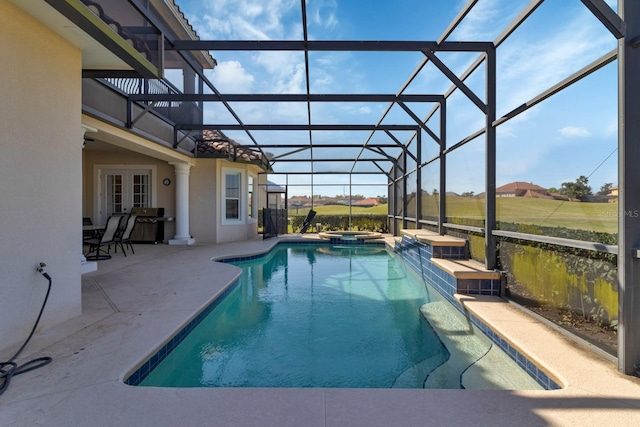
(323, 316)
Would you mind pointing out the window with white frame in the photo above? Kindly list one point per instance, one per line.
(250, 213)
(232, 192)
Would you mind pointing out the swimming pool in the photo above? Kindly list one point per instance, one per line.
(334, 316)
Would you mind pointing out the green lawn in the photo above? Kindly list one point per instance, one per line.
(340, 210)
(601, 217)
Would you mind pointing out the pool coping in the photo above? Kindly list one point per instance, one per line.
(161, 287)
(137, 375)
(532, 367)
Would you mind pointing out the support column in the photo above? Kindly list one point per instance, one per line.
(491, 257)
(442, 196)
(189, 86)
(189, 80)
(419, 179)
(87, 266)
(629, 194)
(182, 236)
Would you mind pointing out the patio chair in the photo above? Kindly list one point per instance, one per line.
(88, 234)
(124, 238)
(96, 252)
(307, 221)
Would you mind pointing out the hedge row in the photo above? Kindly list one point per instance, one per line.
(563, 232)
(359, 222)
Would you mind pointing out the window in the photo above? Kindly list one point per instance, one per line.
(232, 195)
(114, 193)
(121, 189)
(250, 213)
(140, 191)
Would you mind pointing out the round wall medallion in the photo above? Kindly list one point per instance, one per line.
(166, 181)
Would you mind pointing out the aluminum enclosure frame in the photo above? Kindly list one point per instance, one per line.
(624, 26)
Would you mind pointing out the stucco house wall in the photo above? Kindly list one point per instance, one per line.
(206, 199)
(203, 201)
(40, 167)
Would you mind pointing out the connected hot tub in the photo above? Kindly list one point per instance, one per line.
(349, 235)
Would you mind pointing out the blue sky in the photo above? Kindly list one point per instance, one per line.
(571, 134)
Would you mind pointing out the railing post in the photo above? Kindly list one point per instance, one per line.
(442, 197)
(418, 179)
(628, 199)
(404, 187)
(490, 172)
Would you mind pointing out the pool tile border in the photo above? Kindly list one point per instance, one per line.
(141, 373)
(443, 282)
(297, 242)
(418, 256)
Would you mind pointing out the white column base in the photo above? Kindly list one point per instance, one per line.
(87, 266)
(183, 242)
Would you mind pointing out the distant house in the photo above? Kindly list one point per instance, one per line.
(523, 189)
(369, 202)
(330, 200)
(298, 201)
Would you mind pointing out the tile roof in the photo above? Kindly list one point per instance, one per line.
(215, 144)
(519, 185)
(371, 201)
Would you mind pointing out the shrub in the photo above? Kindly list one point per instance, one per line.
(359, 222)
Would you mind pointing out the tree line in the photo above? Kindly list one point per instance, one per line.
(580, 188)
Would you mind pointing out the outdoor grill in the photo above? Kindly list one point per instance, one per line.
(149, 225)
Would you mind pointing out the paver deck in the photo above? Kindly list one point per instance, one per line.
(130, 305)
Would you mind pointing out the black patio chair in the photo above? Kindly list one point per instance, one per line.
(307, 221)
(124, 237)
(96, 253)
(88, 234)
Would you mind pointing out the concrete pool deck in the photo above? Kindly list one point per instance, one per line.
(131, 305)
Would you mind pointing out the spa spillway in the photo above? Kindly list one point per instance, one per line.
(349, 235)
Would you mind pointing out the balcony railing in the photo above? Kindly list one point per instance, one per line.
(175, 112)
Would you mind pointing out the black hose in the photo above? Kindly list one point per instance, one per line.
(10, 368)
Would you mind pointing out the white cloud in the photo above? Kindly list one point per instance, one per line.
(323, 13)
(231, 77)
(487, 19)
(285, 70)
(243, 19)
(322, 80)
(474, 25)
(265, 72)
(573, 131)
(611, 129)
(530, 65)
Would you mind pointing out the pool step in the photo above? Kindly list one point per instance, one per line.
(414, 377)
(465, 269)
(474, 362)
(491, 372)
(458, 337)
(446, 261)
(434, 239)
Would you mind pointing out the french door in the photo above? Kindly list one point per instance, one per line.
(123, 189)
